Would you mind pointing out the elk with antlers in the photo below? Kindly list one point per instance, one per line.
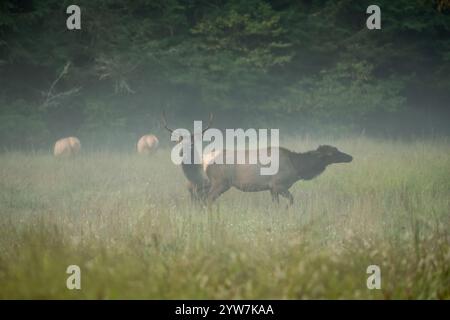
(198, 183)
(209, 179)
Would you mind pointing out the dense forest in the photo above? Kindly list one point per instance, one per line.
(299, 65)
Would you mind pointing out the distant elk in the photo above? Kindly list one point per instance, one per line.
(293, 166)
(198, 183)
(67, 147)
(147, 144)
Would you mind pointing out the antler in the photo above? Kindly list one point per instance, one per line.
(165, 122)
(170, 130)
(209, 122)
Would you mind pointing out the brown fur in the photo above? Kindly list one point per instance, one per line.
(198, 184)
(147, 144)
(67, 147)
(292, 167)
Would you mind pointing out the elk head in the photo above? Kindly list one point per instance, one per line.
(198, 183)
(187, 139)
(330, 154)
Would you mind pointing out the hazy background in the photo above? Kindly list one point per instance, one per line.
(306, 66)
(310, 68)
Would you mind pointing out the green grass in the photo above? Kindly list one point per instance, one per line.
(128, 223)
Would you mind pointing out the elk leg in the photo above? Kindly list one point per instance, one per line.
(198, 193)
(192, 192)
(205, 191)
(216, 190)
(288, 195)
(275, 197)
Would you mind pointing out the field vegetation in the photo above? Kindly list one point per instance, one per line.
(127, 221)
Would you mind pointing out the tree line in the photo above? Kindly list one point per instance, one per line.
(299, 65)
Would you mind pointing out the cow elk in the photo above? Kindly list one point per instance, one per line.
(67, 147)
(147, 144)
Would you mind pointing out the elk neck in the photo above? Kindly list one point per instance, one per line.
(308, 164)
(194, 172)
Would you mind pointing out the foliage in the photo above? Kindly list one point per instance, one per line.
(261, 59)
(347, 92)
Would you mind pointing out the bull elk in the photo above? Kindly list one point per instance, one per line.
(293, 166)
(208, 180)
(147, 144)
(67, 147)
(198, 184)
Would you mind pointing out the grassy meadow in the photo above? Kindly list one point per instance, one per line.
(127, 221)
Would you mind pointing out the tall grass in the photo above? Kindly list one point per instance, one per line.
(128, 223)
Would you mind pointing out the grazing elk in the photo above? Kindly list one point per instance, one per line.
(147, 144)
(67, 147)
(198, 184)
(293, 166)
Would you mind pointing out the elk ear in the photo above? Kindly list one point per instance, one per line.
(321, 150)
(326, 151)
